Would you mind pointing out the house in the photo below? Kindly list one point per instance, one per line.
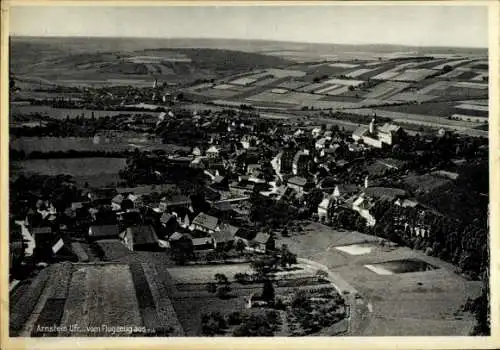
(225, 235)
(201, 240)
(263, 242)
(299, 184)
(140, 238)
(205, 223)
(103, 232)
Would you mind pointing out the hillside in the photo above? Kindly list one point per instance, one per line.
(59, 60)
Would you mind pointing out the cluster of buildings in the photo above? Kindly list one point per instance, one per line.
(285, 163)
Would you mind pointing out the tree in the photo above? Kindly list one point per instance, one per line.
(240, 246)
(268, 291)
(221, 278)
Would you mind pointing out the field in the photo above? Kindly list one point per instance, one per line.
(385, 90)
(95, 171)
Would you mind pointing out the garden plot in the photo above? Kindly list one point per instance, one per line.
(205, 274)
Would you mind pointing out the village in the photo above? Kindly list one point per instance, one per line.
(230, 217)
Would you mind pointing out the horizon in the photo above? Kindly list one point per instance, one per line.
(243, 39)
(371, 24)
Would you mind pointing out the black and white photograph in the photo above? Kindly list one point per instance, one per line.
(248, 170)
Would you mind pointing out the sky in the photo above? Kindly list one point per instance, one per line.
(428, 25)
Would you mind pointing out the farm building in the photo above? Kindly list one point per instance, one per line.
(225, 235)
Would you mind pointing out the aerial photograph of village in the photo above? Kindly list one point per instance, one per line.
(248, 171)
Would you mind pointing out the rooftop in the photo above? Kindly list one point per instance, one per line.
(206, 221)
